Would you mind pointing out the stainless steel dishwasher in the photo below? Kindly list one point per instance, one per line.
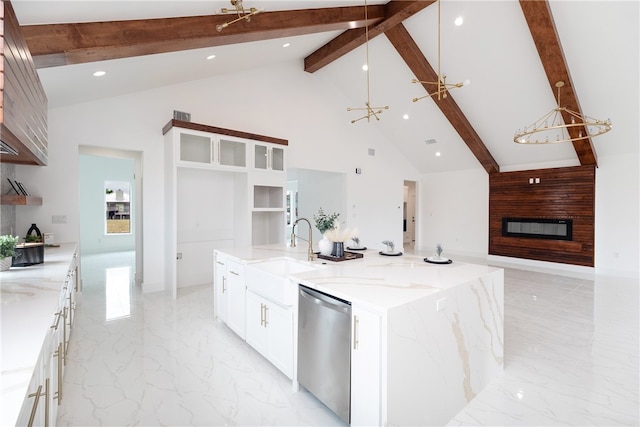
(324, 349)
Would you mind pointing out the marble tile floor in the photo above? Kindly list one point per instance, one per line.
(571, 358)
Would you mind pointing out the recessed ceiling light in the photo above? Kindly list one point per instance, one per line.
(437, 154)
(365, 67)
(406, 117)
(99, 73)
(286, 44)
(211, 56)
(459, 21)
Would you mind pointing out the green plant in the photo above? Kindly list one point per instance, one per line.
(8, 245)
(325, 222)
(32, 238)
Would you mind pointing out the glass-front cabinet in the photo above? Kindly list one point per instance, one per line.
(196, 148)
(267, 157)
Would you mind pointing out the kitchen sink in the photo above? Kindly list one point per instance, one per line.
(285, 266)
(271, 278)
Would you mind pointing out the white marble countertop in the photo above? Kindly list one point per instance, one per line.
(29, 298)
(375, 281)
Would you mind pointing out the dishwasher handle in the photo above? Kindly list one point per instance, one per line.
(325, 300)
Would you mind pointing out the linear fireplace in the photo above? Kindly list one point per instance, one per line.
(538, 228)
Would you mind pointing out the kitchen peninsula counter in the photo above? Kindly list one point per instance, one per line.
(441, 325)
(29, 297)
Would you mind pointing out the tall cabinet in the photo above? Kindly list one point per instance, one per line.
(223, 188)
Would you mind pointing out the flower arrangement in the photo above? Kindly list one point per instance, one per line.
(8, 245)
(438, 250)
(340, 235)
(390, 245)
(325, 221)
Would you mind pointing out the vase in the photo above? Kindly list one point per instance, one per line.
(325, 246)
(338, 249)
(5, 263)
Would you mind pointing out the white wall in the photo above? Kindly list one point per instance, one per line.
(453, 210)
(281, 101)
(618, 216)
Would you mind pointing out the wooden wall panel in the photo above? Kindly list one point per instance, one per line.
(563, 193)
(23, 103)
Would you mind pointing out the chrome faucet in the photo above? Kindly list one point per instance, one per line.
(311, 255)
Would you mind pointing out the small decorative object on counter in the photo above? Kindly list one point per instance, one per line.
(391, 249)
(438, 250)
(338, 236)
(30, 237)
(357, 246)
(7, 251)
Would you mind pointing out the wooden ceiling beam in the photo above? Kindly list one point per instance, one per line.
(413, 57)
(54, 45)
(395, 13)
(545, 36)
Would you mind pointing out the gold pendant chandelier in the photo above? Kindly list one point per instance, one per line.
(552, 128)
(369, 110)
(242, 13)
(441, 86)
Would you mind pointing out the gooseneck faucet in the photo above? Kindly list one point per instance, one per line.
(310, 241)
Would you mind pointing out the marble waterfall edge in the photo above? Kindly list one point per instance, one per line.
(440, 360)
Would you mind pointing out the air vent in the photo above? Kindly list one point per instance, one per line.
(181, 115)
(430, 141)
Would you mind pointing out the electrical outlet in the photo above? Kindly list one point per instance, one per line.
(58, 219)
(179, 255)
(441, 304)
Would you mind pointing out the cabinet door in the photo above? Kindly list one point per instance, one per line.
(220, 289)
(257, 323)
(280, 327)
(277, 159)
(236, 293)
(366, 369)
(194, 148)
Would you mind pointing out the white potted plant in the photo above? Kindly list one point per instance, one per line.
(7, 250)
(324, 223)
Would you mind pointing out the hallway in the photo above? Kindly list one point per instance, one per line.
(571, 358)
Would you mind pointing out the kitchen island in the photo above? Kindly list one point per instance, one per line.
(429, 337)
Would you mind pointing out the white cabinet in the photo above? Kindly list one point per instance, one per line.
(268, 157)
(220, 287)
(210, 176)
(35, 409)
(270, 331)
(366, 368)
(45, 390)
(236, 297)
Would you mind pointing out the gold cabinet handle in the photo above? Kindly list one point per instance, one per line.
(266, 315)
(38, 394)
(34, 407)
(55, 324)
(355, 332)
(58, 354)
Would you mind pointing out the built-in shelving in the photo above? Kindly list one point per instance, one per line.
(18, 200)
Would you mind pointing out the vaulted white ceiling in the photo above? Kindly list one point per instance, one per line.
(493, 49)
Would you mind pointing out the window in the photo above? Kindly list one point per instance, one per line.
(117, 207)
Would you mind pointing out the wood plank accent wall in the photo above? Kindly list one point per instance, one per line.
(23, 103)
(563, 193)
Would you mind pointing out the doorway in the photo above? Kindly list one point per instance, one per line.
(409, 216)
(99, 170)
